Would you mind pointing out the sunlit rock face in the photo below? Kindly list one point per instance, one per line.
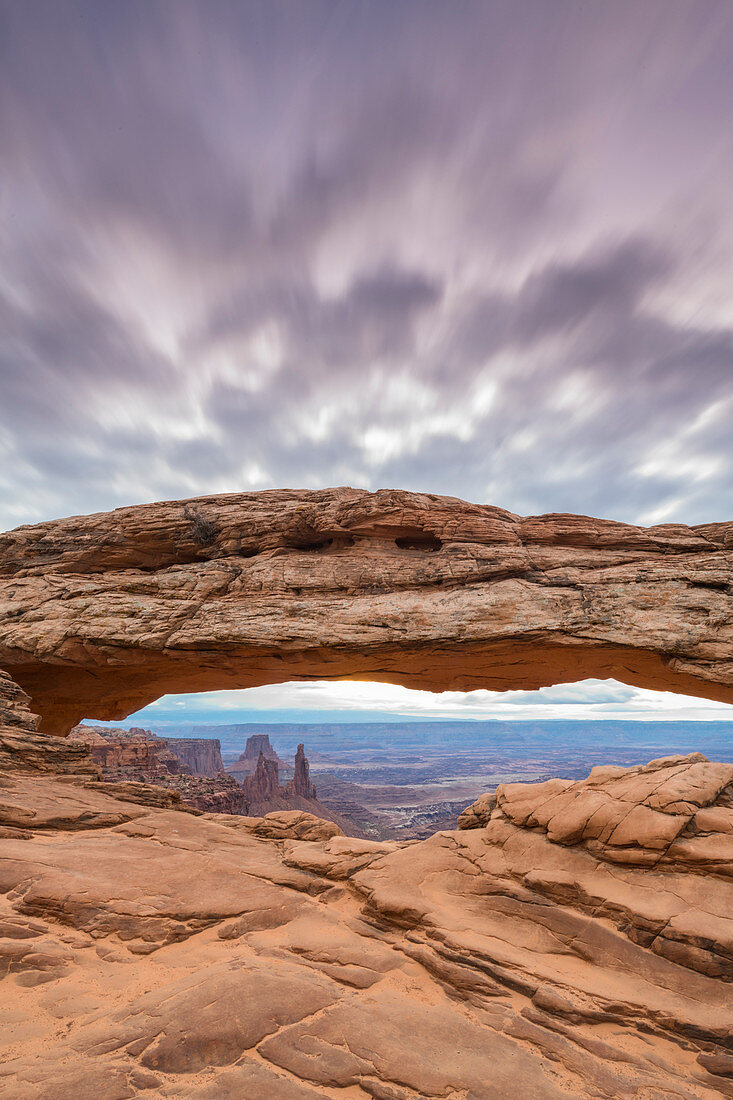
(102, 614)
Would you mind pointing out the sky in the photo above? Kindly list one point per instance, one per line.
(481, 248)
(351, 701)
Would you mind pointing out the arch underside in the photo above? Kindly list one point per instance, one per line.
(63, 695)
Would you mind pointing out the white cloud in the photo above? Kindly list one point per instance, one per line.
(592, 699)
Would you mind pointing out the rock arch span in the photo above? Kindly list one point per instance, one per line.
(102, 614)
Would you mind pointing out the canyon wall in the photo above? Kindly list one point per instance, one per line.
(134, 753)
(201, 755)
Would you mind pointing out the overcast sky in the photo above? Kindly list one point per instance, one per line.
(479, 248)
(482, 248)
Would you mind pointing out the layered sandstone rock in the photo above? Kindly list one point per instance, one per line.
(478, 813)
(128, 754)
(102, 614)
(200, 755)
(274, 957)
(24, 750)
(15, 709)
(293, 825)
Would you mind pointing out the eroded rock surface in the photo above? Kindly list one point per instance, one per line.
(147, 951)
(128, 754)
(247, 761)
(201, 755)
(102, 614)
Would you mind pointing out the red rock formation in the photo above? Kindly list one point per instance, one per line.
(247, 761)
(259, 743)
(134, 754)
(102, 614)
(23, 750)
(263, 786)
(200, 755)
(218, 794)
(264, 795)
(15, 706)
(300, 785)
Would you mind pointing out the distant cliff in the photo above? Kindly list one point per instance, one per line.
(201, 754)
(246, 765)
(132, 755)
(193, 768)
(263, 793)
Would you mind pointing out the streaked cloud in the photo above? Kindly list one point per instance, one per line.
(482, 249)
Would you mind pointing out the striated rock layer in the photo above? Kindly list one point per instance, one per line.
(135, 754)
(201, 755)
(101, 614)
(579, 944)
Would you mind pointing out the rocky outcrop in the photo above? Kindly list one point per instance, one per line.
(275, 957)
(24, 751)
(662, 812)
(128, 754)
(673, 814)
(246, 764)
(263, 794)
(15, 709)
(200, 755)
(479, 813)
(211, 794)
(263, 786)
(300, 785)
(102, 614)
(293, 825)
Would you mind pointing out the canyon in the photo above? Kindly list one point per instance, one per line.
(192, 767)
(570, 938)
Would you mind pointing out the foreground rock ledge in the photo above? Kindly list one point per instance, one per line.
(101, 614)
(578, 943)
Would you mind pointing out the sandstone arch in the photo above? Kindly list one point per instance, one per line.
(101, 614)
